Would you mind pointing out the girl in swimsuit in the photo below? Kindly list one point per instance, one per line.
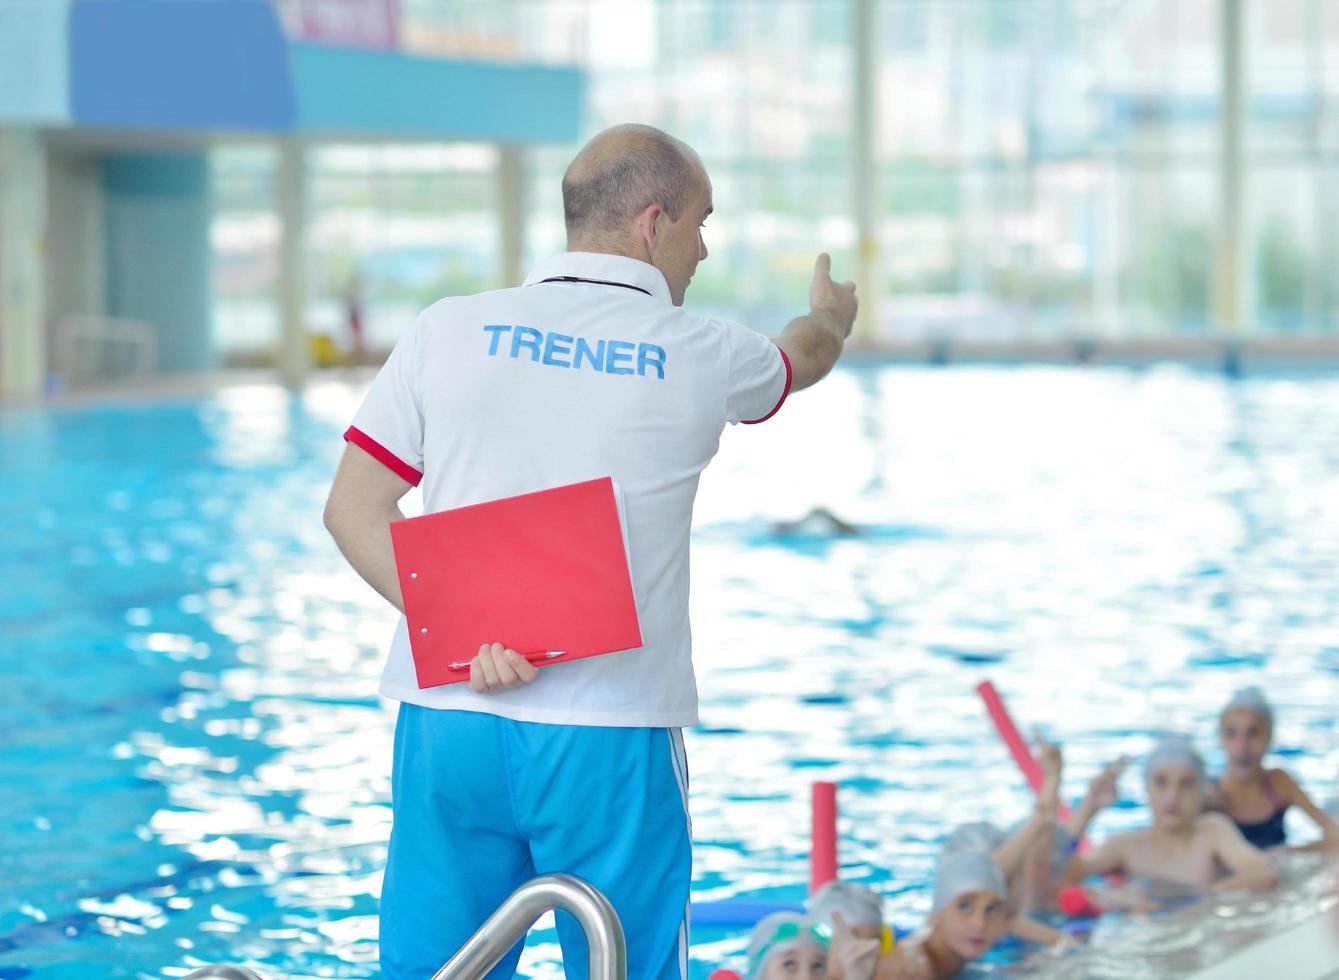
(1254, 797)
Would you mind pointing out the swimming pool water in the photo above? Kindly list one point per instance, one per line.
(194, 765)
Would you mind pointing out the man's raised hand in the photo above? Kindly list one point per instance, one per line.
(836, 299)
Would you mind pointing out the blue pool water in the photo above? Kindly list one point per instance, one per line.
(194, 766)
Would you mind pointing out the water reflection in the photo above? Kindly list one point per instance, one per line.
(184, 646)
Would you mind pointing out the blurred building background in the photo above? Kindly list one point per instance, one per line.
(995, 172)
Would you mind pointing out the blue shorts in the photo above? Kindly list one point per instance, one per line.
(483, 804)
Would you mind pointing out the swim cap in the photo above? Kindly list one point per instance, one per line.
(777, 933)
(1174, 750)
(978, 838)
(967, 872)
(858, 905)
(1251, 699)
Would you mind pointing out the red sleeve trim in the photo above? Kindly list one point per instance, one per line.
(784, 391)
(383, 455)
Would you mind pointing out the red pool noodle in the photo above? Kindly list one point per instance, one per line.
(823, 852)
(725, 975)
(1076, 903)
(1014, 740)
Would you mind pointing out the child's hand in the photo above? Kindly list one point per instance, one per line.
(1102, 791)
(1050, 756)
(1052, 761)
(851, 957)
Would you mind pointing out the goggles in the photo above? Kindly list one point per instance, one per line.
(784, 933)
(887, 939)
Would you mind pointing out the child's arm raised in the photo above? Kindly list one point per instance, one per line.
(1011, 854)
(1295, 795)
(1102, 792)
(1107, 858)
(1250, 870)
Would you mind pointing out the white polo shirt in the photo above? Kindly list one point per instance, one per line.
(587, 370)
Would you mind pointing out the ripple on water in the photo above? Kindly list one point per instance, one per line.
(1198, 935)
(197, 768)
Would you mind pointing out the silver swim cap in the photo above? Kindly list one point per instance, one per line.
(858, 905)
(1174, 750)
(978, 838)
(1251, 699)
(967, 872)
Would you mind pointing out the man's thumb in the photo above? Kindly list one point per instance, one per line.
(823, 267)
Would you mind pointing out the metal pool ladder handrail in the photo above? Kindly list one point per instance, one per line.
(513, 919)
(515, 916)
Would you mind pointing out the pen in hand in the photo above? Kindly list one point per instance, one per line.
(534, 658)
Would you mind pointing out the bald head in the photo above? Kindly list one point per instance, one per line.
(623, 171)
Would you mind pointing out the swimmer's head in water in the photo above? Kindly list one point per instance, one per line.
(786, 945)
(1174, 777)
(970, 908)
(1245, 729)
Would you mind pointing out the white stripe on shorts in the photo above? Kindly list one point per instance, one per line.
(679, 763)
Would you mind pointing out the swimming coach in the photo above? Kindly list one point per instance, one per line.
(590, 369)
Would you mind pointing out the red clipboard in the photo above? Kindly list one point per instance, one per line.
(538, 572)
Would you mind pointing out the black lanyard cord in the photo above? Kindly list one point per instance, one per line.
(595, 282)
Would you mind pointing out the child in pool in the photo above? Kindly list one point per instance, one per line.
(969, 917)
(1185, 847)
(860, 910)
(1036, 855)
(1254, 797)
(786, 946)
(1032, 842)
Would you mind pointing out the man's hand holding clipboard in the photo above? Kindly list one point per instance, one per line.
(498, 668)
(537, 578)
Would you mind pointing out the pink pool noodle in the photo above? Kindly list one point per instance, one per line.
(1075, 902)
(1014, 740)
(823, 852)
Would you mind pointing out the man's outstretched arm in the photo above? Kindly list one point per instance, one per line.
(813, 342)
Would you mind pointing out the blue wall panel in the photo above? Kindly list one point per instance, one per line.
(34, 80)
(168, 64)
(344, 90)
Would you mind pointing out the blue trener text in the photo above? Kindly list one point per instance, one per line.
(483, 804)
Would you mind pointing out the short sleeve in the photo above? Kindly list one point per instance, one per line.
(759, 378)
(388, 426)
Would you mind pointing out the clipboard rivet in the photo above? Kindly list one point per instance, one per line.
(424, 631)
